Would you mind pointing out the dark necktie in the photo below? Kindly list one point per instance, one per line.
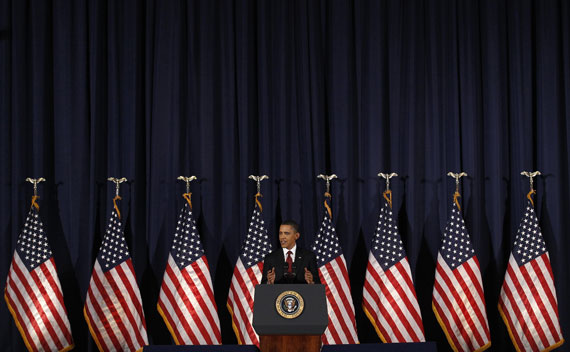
(289, 263)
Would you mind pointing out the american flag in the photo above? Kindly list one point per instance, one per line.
(334, 275)
(33, 292)
(389, 298)
(186, 300)
(113, 307)
(458, 301)
(247, 274)
(528, 301)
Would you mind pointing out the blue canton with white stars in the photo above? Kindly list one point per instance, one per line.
(32, 246)
(529, 243)
(114, 250)
(257, 244)
(456, 247)
(387, 245)
(327, 246)
(186, 246)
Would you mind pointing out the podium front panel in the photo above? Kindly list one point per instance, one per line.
(313, 319)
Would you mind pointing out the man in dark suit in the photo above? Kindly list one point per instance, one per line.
(290, 264)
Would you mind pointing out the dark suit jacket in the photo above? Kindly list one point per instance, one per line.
(303, 259)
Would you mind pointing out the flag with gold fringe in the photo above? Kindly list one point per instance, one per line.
(248, 273)
(389, 297)
(186, 301)
(113, 306)
(528, 303)
(458, 300)
(333, 273)
(33, 291)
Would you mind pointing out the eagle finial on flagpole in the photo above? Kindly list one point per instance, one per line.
(187, 180)
(118, 182)
(457, 176)
(387, 177)
(531, 175)
(258, 179)
(35, 182)
(328, 179)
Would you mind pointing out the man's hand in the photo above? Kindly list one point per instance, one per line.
(308, 276)
(271, 276)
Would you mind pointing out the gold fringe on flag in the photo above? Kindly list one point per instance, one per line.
(455, 196)
(258, 202)
(388, 196)
(188, 197)
(34, 203)
(328, 195)
(529, 196)
(115, 205)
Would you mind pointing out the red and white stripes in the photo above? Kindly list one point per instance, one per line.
(529, 306)
(35, 300)
(459, 305)
(390, 302)
(342, 324)
(187, 304)
(240, 301)
(113, 309)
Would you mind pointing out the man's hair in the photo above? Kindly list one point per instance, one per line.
(293, 224)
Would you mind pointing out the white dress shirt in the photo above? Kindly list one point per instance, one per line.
(294, 250)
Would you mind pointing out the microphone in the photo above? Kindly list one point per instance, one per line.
(292, 275)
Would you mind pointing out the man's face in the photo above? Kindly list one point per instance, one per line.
(287, 236)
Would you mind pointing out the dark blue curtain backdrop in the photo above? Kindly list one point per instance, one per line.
(151, 90)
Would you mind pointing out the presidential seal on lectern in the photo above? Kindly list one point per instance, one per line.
(289, 304)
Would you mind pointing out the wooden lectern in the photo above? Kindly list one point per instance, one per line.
(290, 318)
